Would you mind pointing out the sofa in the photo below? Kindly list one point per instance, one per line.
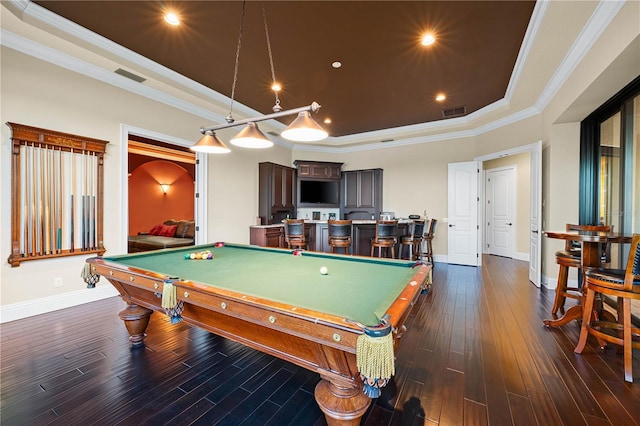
(169, 234)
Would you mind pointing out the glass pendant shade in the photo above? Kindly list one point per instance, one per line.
(209, 143)
(304, 129)
(251, 137)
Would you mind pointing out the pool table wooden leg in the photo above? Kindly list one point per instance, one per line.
(136, 319)
(341, 405)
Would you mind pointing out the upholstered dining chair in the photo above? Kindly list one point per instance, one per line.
(413, 240)
(386, 237)
(624, 285)
(340, 232)
(570, 257)
(294, 234)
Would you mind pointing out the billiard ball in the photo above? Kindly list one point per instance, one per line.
(324, 270)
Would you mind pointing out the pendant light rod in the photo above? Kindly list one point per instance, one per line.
(314, 107)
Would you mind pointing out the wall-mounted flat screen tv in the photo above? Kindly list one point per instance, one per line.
(319, 192)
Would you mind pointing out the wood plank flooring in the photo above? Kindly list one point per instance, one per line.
(475, 353)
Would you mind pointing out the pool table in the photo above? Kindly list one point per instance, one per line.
(276, 301)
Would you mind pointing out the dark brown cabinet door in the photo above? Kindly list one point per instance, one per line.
(277, 189)
(266, 237)
(283, 187)
(273, 237)
(362, 194)
(361, 188)
(318, 169)
(288, 187)
(366, 185)
(351, 189)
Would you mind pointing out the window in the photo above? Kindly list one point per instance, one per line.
(610, 165)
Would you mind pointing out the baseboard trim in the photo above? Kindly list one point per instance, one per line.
(30, 308)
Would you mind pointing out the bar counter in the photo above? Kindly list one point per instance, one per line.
(317, 233)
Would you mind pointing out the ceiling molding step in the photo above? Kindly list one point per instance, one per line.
(539, 12)
(591, 32)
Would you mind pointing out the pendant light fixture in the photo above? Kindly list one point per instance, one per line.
(209, 143)
(302, 129)
(251, 137)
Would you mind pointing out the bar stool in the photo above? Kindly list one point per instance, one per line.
(340, 232)
(413, 240)
(294, 234)
(386, 237)
(625, 286)
(571, 257)
(427, 254)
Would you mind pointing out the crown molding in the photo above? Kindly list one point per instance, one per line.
(593, 29)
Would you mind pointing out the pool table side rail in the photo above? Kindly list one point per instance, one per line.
(309, 324)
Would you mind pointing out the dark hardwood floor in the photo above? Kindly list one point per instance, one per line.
(475, 353)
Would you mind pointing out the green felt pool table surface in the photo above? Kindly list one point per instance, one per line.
(356, 288)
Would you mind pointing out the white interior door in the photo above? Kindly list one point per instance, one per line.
(535, 221)
(500, 211)
(463, 213)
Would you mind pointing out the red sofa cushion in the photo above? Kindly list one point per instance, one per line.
(168, 231)
(156, 230)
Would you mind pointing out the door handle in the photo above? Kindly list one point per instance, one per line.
(509, 223)
(451, 225)
(535, 232)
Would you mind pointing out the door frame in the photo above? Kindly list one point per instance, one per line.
(535, 150)
(200, 199)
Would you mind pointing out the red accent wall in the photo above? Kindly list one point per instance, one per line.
(148, 205)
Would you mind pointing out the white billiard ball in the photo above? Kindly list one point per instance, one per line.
(324, 270)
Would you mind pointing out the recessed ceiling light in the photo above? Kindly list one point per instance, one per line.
(327, 120)
(440, 97)
(336, 64)
(428, 39)
(172, 19)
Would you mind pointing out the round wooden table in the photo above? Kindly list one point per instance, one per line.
(590, 258)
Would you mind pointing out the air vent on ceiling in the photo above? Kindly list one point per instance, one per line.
(272, 133)
(454, 112)
(387, 140)
(130, 75)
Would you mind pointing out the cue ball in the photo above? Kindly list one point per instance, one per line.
(324, 270)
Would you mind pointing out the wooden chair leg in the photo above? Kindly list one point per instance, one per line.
(563, 275)
(627, 340)
(587, 310)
